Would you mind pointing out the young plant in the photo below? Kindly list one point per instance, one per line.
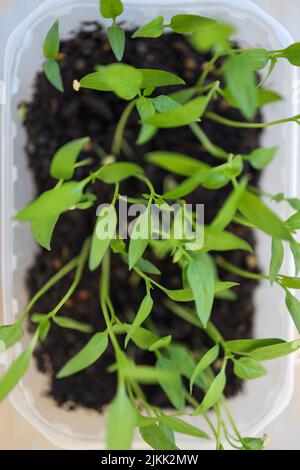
(193, 303)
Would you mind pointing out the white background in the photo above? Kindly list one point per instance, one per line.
(284, 433)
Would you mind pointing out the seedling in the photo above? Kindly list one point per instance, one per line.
(245, 206)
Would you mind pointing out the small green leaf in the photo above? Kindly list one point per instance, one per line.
(139, 238)
(184, 360)
(209, 358)
(116, 38)
(214, 240)
(241, 82)
(257, 58)
(290, 282)
(123, 80)
(111, 8)
(161, 343)
(52, 202)
(145, 108)
(64, 160)
(293, 222)
(295, 249)
(229, 209)
(292, 54)
(213, 394)
(261, 157)
(9, 335)
(42, 230)
(267, 97)
(183, 24)
(117, 172)
(248, 369)
(201, 278)
(146, 134)
(186, 114)
(120, 422)
(213, 36)
(143, 313)
(51, 43)
(275, 351)
(176, 163)
(141, 337)
(52, 72)
(180, 426)
(154, 78)
(172, 388)
(104, 232)
(91, 352)
(253, 443)
(14, 374)
(149, 375)
(165, 104)
(293, 306)
(247, 346)
(147, 267)
(255, 210)
(153, 29)
(71, 324)
(276, 259)
(156, 438)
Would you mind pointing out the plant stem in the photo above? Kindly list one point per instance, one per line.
(118, 137)
(208, 68)
(214, 150)
(235, 270)
(192, 401)
(249, 125)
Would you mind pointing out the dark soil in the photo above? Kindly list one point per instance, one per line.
(53, 119)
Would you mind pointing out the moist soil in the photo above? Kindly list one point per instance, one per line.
(54, 118)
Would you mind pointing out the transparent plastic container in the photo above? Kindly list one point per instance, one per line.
(264, 399)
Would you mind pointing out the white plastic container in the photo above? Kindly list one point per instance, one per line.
(264, 399)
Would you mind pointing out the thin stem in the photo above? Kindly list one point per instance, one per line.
(249, 125)
(118, 137)
(192, 401)
(208, 68)
(81, 263)
(213, 149)
(235, 270)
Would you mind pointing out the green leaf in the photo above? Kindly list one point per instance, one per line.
(9, 335)
(52, 72)
(267, 97)
(253, 443)
(229, 209)
(156, 438)
(186, 114)
(248, 369)
(145, 108)
(183, 24)
(120, 422)
(247, 346)
(255, 210)
(213, 36)
(184, 360)
(290, 282)
(257, 58)
(213, 394)
(147, 267)
(292, 54)
(14, 374)
(153, 29)
(111, 8)
(241, 82)
(153, 78)
(146, 134)
(71, 324)
(64, 160)
(172, 388)
(123, 80)
(293, 306)
(143, 313)
(176, 163)
(51, 43)
(276, 258)
(214, 240)
(139, 238)
(52, 202)
(275, 351)
(293, 222)
(149, 375)
(209, 358)
(261, 157)
(165, 104)
(116, 38)
(161, 343)
(201, 278)
(117, 172)
(180, 426)
(295, 249)
(104, 232)
(91, 352)
(141, 337)
(42, 230)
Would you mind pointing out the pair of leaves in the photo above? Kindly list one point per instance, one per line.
(263, 349)
(51, 51)
(201, 278)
